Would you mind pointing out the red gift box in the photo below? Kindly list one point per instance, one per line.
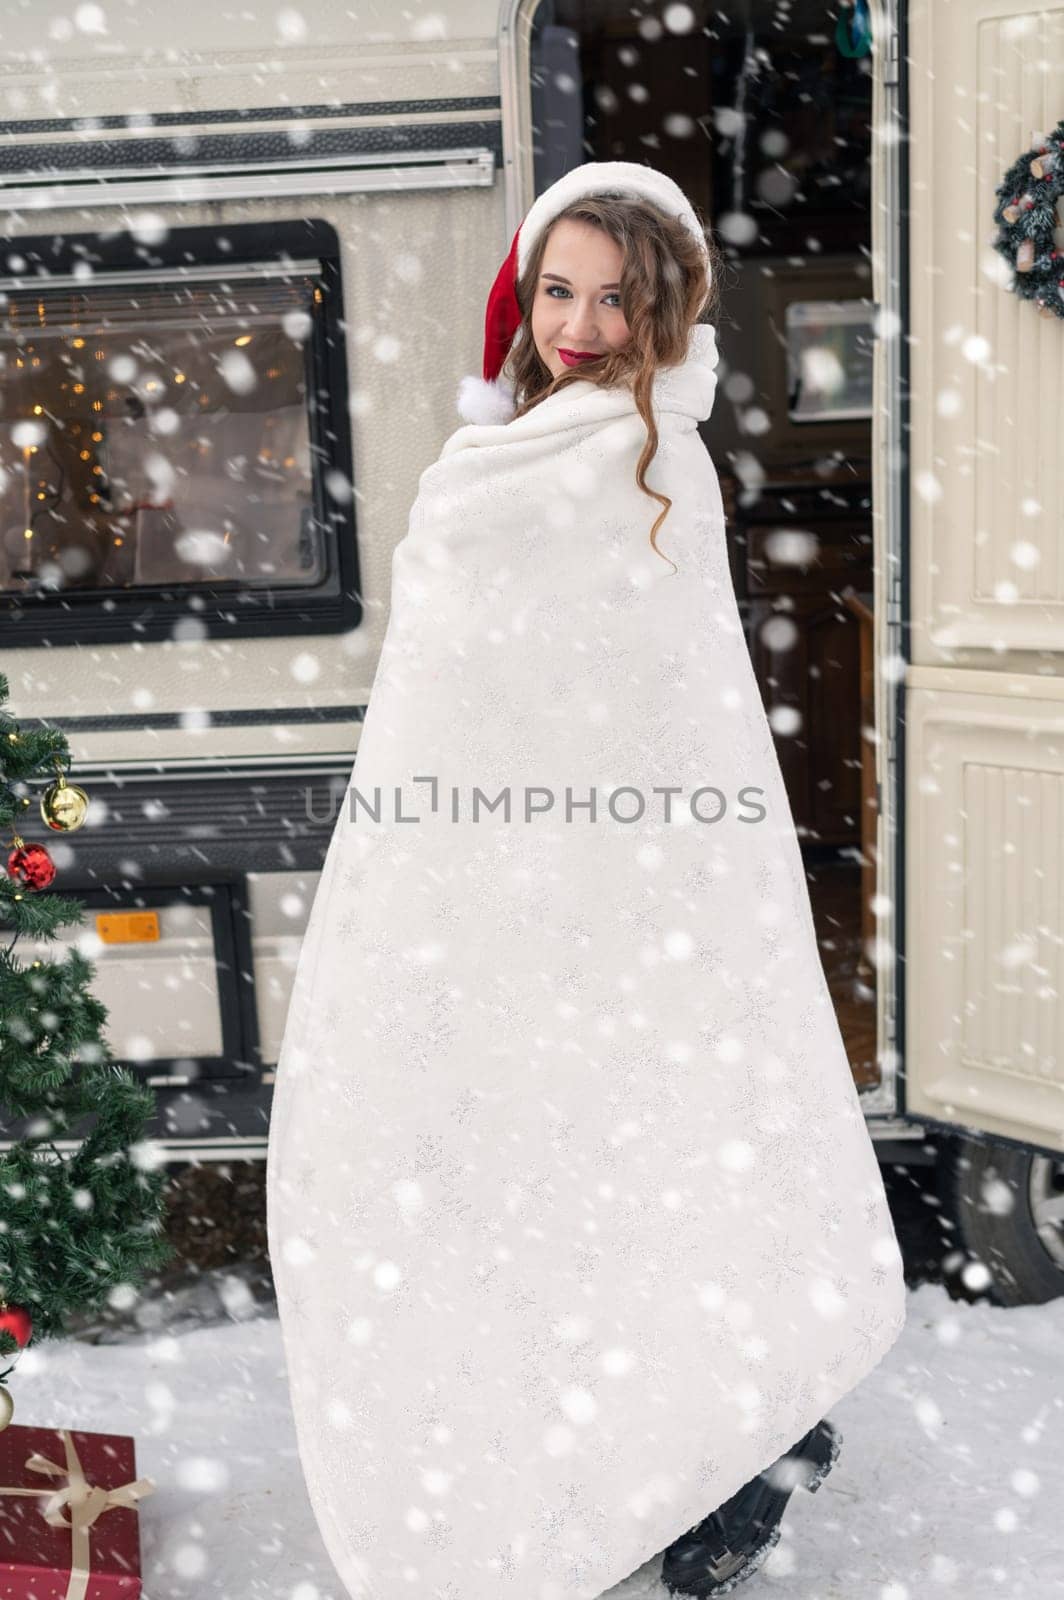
(69, 1528)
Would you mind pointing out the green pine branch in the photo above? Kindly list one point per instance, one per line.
(81, 1197)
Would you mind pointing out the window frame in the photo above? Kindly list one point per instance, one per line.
(149, 613)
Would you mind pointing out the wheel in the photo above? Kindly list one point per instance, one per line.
(1008, 1204)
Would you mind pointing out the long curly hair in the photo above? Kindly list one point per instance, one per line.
(663, 281)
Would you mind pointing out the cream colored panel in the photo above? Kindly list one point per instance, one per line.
(201, 742)
(280, 905)
(987, 370)
(151, 40)
(985, 885)
(162, 996)
(416, 268)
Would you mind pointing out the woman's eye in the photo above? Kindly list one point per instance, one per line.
(557, 288)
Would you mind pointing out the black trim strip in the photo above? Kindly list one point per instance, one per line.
(935, 1128)
(245, 769)
(218, 719)
(188, 119)
(250, 149)
(900, 697)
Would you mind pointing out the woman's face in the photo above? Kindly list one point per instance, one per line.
(577, 306)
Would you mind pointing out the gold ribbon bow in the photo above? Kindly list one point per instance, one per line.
(86, 1500)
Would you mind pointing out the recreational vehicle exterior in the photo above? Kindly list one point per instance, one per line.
(243, 269)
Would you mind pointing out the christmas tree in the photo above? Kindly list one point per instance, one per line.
(81, 1197)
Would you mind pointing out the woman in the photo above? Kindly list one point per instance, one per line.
(575, 1221)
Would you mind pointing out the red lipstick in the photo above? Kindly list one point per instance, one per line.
(571, 357)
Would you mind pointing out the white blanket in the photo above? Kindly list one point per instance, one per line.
(575, 1220)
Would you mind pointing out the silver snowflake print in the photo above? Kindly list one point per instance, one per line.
(306, 1176)
(708, 957)
(352, 1092)
(439, 1532)
(465, 1103)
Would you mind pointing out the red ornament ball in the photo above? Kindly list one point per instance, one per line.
(16, 1321)
(32, 865)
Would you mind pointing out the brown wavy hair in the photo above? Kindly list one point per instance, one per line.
(662, 280)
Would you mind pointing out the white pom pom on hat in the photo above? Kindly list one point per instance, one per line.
(490, 399)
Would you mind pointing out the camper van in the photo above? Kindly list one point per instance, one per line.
(245, 258)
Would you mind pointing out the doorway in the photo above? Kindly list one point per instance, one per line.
(762, 113)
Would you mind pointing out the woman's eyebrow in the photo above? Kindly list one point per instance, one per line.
(559, 279)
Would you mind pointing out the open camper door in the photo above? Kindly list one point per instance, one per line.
(981, 698)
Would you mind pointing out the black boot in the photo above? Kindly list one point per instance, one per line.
(731, 1543)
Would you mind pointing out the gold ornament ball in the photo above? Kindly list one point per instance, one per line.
(7, 1407)
(63, 806)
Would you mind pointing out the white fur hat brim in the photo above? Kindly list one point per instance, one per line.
(625, 178)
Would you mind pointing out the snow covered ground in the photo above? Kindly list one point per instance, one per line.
(948, 1481)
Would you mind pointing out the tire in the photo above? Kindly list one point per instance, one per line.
(1008, 1204)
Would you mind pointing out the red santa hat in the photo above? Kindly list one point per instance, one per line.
(489, 398)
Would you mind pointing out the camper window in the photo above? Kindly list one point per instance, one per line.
(169, 429)
(157, 436)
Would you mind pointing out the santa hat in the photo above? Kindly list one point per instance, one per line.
(489, 398)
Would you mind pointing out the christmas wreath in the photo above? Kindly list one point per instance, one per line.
(1026, 216)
